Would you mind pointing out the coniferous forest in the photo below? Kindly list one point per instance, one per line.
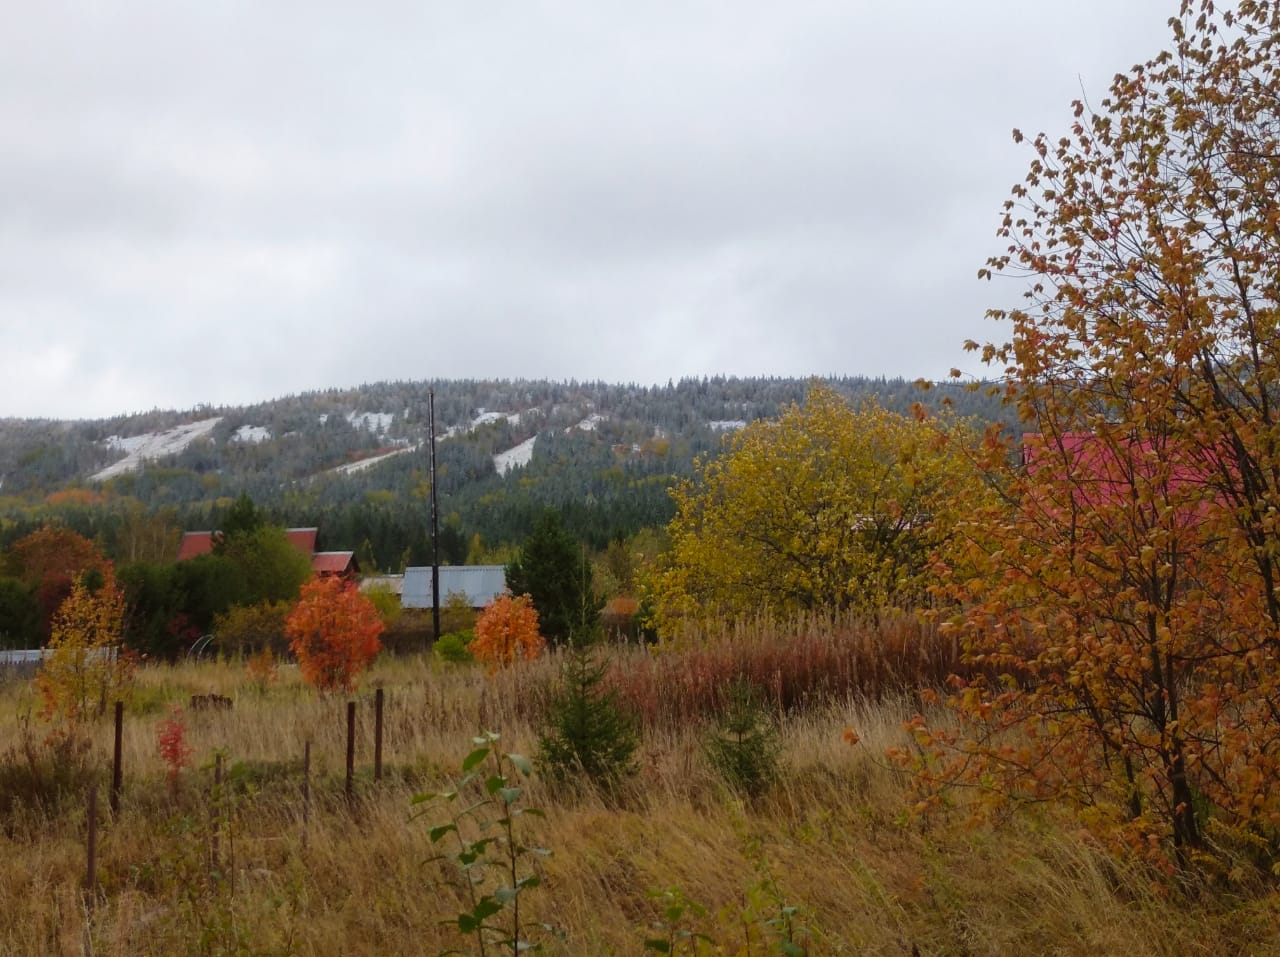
(355, 462)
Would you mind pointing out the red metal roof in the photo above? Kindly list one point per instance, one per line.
(201, 543)
(333, 563)
(303, 539)
(195, 543)
(1108, 474)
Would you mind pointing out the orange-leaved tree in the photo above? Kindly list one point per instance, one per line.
(86, 667)
(334, 633)
(506, 631)
(1126, 604)
(47, 561)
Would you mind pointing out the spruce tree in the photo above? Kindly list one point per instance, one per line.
(588, 733)
(553, 570)
(745, 748)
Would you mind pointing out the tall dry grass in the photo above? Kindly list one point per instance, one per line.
(830, 839)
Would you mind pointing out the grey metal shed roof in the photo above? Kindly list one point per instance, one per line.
(480, 583)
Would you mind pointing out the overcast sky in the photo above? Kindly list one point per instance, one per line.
(226, 202)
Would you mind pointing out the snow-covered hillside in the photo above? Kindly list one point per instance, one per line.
(589, 423)
(251, 434)
(504, 462)
(152, 445)
(371, 461)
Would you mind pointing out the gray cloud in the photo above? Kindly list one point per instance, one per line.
(228, 202)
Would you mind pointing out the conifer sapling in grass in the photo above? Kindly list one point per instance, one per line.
(588, 731)
(744, 748)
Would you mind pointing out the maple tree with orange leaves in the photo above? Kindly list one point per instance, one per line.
(506, 631)
(334, 632)
(48, 561)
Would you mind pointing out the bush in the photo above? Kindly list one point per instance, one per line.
(333, 632)
(452, 648)
(251, 629)
(506, 631)
(42, 773)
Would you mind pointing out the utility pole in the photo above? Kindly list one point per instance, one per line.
(435, 522)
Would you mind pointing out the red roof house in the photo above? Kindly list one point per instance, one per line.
(195, 543)
(1101, 474)
(303, 539)
(335, 563)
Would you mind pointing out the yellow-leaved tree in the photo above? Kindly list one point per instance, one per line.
(86, 667)
(828, 507)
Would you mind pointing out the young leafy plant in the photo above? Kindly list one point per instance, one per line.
(678, 915)
(488, 849)
(172, 743)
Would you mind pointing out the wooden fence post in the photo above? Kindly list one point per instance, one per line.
(91, 866)
(351, 749)
(306, 792)
(216, 811)
(117, 773)
(377, 735)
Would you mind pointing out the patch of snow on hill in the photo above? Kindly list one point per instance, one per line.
(726, 425)
(371, 461)
(485, 417)
(152, 445)
(251, 434)
(504, 462)
(589, 423)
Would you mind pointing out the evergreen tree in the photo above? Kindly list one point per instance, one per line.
(553, 570)
(242, 518)
(588, 731)
(745, 748)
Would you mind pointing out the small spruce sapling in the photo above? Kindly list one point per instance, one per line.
(589, 732)
(745, 748)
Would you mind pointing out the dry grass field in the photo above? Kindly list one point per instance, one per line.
(827, 852)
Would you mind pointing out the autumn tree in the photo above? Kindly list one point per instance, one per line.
(553, 570)
(507, 631)
(48, 561)
(1128, 594)
(251, 629)
(86, 668)
(334, 633)
(145, 536)
(826, 508)
(52, 553)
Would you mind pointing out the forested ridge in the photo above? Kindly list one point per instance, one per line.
(605, 455)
